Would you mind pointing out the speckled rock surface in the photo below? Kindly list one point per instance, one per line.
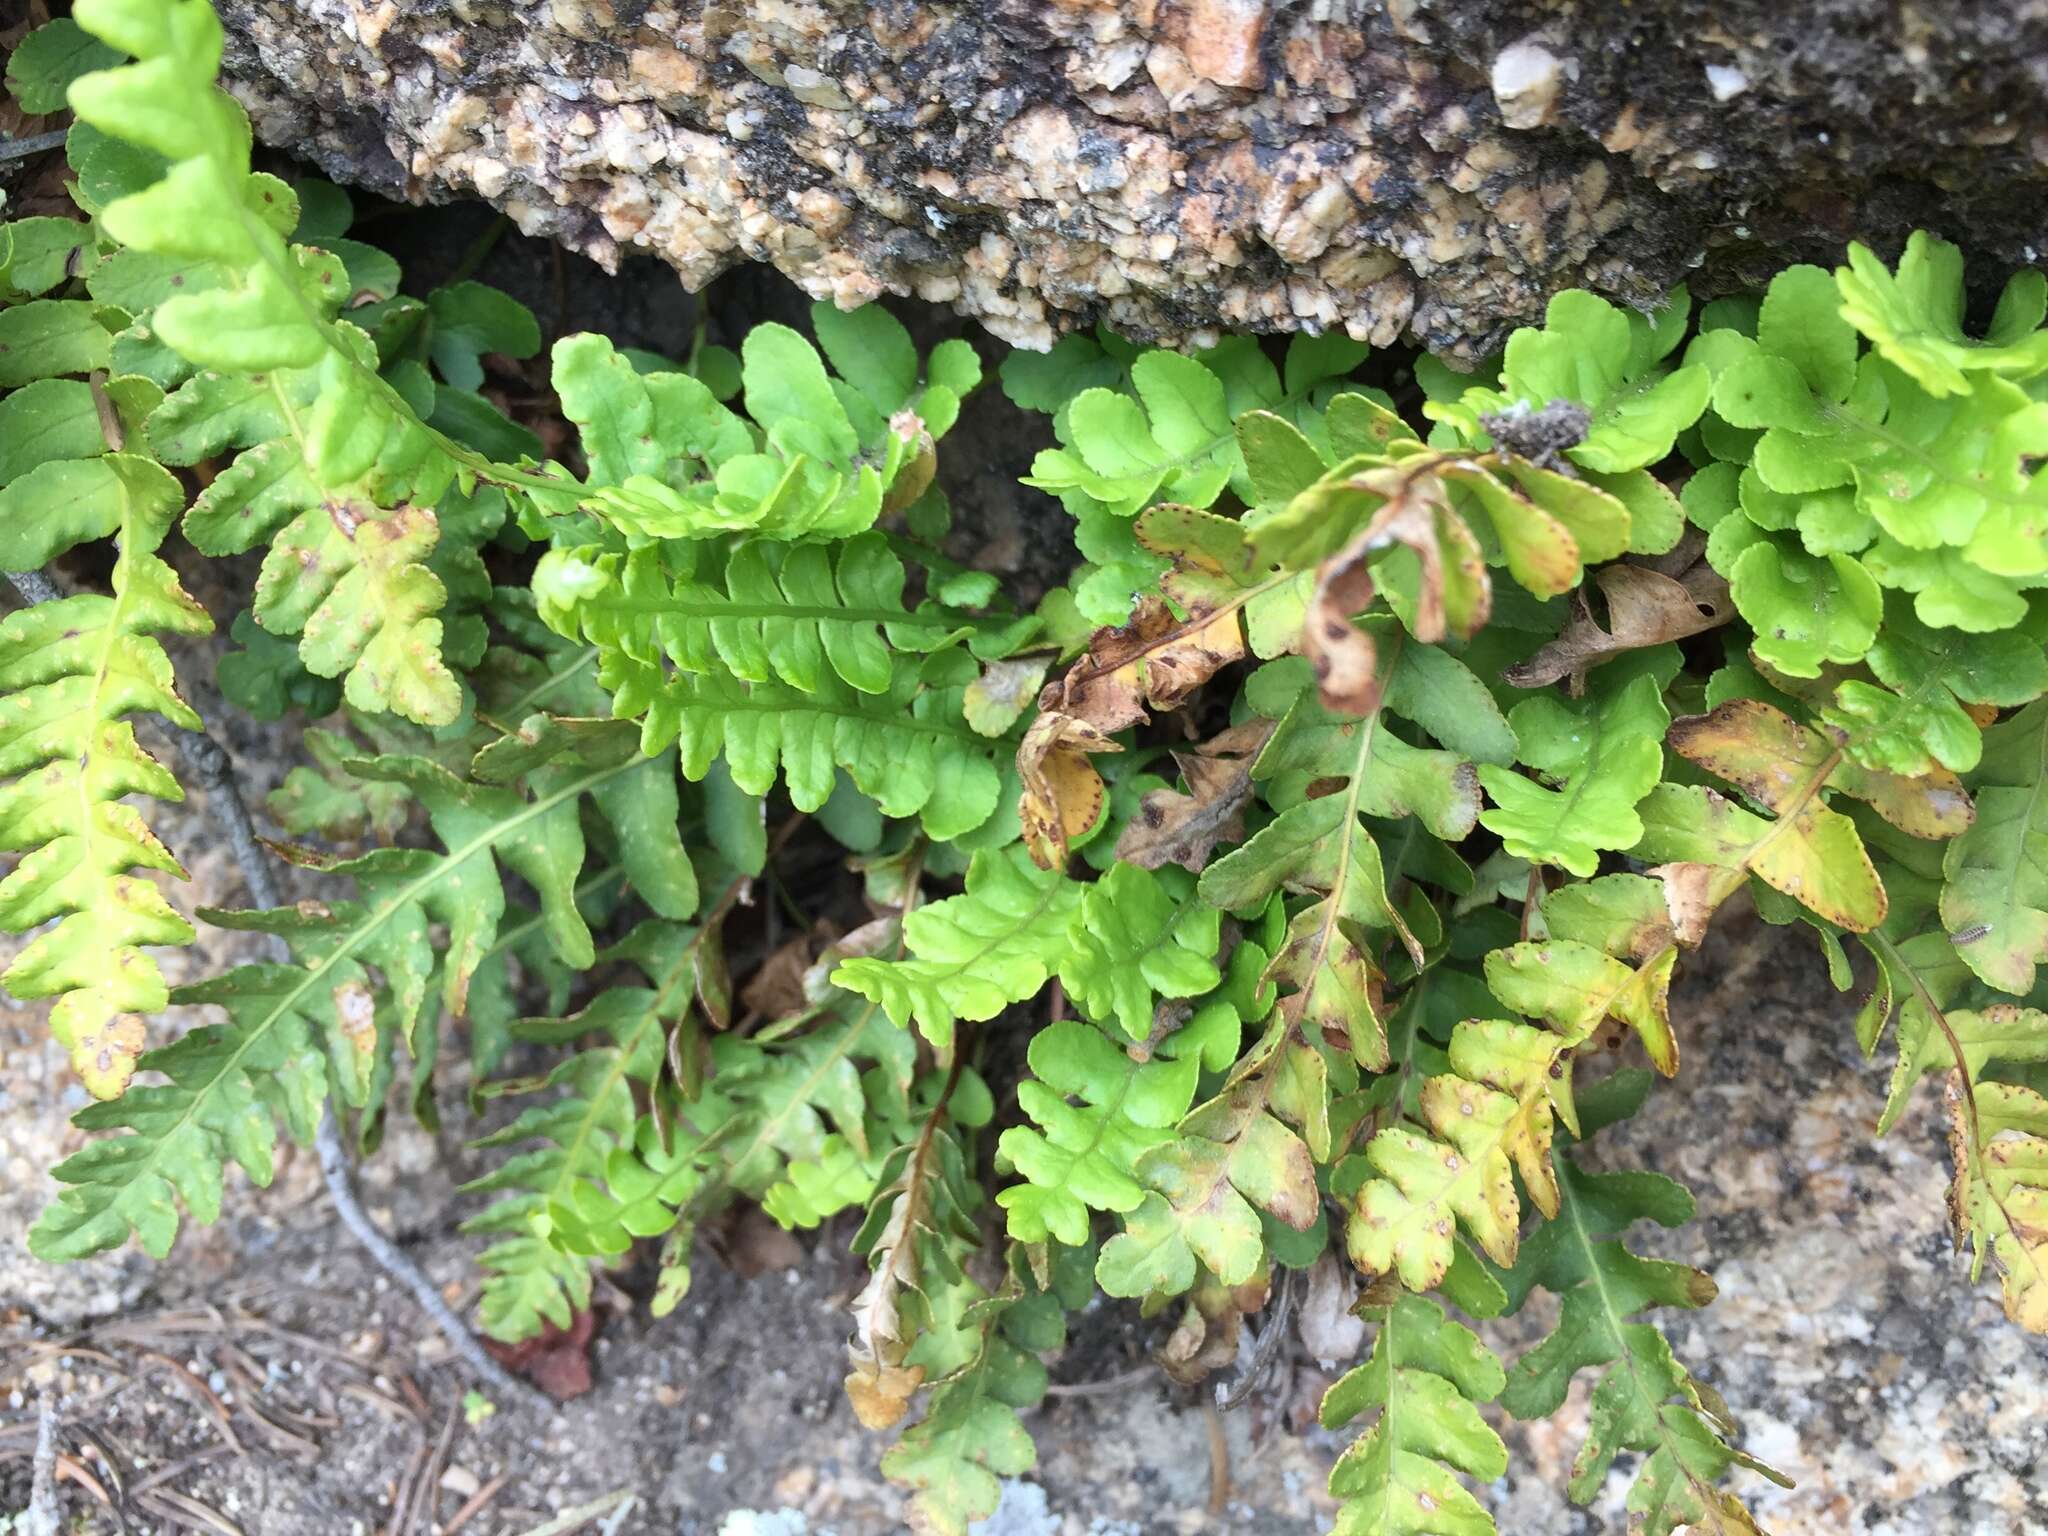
(1847, 1337)
(1184, 167)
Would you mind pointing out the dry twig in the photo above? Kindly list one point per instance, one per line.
(43, 1517)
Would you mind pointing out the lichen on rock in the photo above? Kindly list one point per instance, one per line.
(1185, 168)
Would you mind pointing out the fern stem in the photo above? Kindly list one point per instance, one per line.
(213, 769)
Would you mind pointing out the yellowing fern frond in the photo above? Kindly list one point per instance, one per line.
(71, 672)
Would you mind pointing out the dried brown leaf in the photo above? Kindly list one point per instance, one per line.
(1644, 608)
(880, 1386)
(1693, 893)
(1155, 661)
(1206, 1338)
(557, 1360)
(1184, 829)
(1342, 655)
(776, 989)
(881, 1394)
(1062, 791)
(1453, 591)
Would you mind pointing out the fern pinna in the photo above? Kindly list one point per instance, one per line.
(1272, 890)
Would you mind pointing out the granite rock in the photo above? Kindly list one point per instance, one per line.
(1184, 168)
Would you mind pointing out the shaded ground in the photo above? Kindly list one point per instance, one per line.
(264, 1380)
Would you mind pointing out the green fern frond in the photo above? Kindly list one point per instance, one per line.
(1232, 1164)
(981, 1355)
(1082, 1156)
(974, 954)
(910, 749)
(803, 1124)
(557, 1205)
(772, 613)
(1426, 1376)
(1597, 758)
(291, 1027)
(1993, 886)
(1606, 359)
(208, 273)
(821, 459)
(1647, 1402)
(1139, 936)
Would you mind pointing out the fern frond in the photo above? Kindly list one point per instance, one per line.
(290, 1027)
(1207, 1187)
(1992, 885)
(1491, 1115)
(558, 1206)
(1077, 1157)
(745, 1118)
(1647, 1402)
(1136, 937)
(981, 1354)
(1597, 757)
(974, 954)
(773, 613)
(1601, 357)
(918, 1235)
(910, 749)
(1998, 1136)
(821, 459)
(1997, 1131)
(66, 473)
(72, 672)
(1426, 1376)
(210, 274)
(1322, 847)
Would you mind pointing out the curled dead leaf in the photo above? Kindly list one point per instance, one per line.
(1693, 893)
(1155, 661)
(1206, 1338)
(1341, 654)
(714, 976)
(881, 1394)
(1062, 791)
(1452, 592)
(1184, 829)
(1644, 608)
(777, 988)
